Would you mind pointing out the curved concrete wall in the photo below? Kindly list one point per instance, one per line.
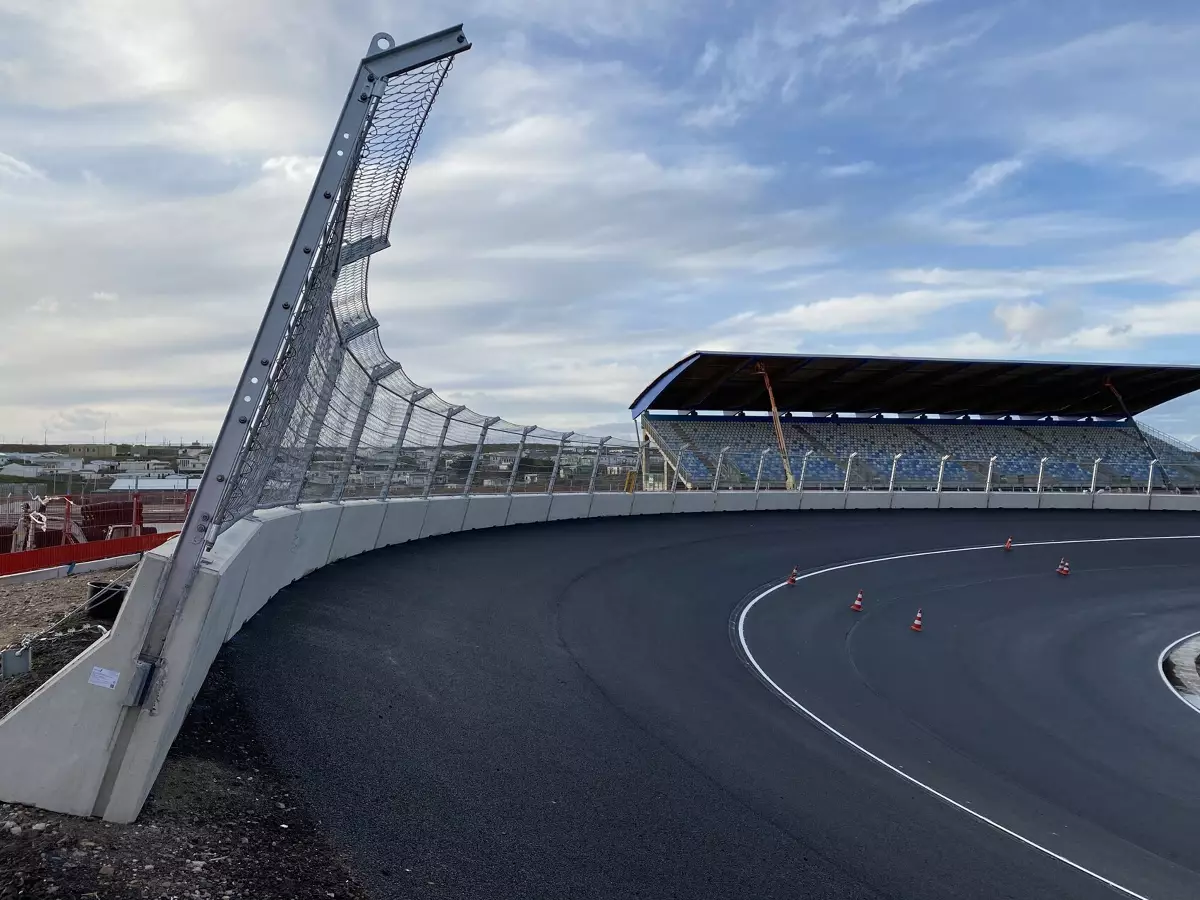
(58, 746)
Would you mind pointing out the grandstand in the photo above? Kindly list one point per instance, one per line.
(915, 424)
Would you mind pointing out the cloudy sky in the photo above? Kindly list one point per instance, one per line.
(604, 186)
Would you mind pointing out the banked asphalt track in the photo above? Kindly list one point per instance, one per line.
(567, 710)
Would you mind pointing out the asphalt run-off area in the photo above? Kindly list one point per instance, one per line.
(625, 708)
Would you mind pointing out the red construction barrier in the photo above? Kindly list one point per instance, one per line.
(48, 557)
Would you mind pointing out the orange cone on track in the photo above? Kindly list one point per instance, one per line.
(916, 625)
(1064, 567)
(857, 604)
(1008, 544)
(791, 579)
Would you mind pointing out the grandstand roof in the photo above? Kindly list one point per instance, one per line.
(868, 384)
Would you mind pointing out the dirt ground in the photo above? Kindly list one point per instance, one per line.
(30, 607)
(219, 824)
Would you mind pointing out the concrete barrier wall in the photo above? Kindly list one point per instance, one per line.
(56, 746)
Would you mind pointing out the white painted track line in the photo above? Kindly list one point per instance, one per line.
(799, 707)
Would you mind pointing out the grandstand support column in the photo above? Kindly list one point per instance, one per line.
(987, 488)
(849, 467)
(1095, 474)
(675, 469)
(1150, 480)
(1041, 474)
(512, 478)
(562, 443)
(716, 482)
(645, 454)
(437, 451)
(892, 477)
(596, 464)
(391, 469)
(803, 469)
(762, 458)
(483, 430)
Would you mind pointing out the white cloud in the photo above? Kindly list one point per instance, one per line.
(988, 177)
(561, 239)
(849, 170)
(11, 167)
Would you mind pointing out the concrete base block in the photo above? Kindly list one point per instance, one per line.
(868, 500)
(1174, 501)
(313, 538)
(272, 569)
(652, 503)
(358, 528)
(195, 637)
(527, 508)
(915, 500)
(1123, 501)
(735, 501)
(613, 504)
(486, 512)
(963, 500)
(694, 502)
(569, 506)
(1012, 500)
(55, 744)
(1066, 501)
(822, 500)
(444, 516)
(778, 500)
(401, 522)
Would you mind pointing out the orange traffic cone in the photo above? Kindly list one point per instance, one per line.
(1008, 544)
(857, 604)
(1064, 567)
(791, 579)
(916, 625)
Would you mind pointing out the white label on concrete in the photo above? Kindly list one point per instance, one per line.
(105, 678)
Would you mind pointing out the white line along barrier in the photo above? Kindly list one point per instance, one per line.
(801, 708)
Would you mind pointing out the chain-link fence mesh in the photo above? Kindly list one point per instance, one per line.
(341, 419)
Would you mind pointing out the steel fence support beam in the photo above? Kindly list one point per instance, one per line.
(678, 465)
(360, 422)
(437, 451)
(596, 464)
(313, 435)
(512, 478)
(562, 443)
(803, 469)
(987, 488)
(762, 458)
(478, 452)
(717, 474)
(246, 410)
(399, 445)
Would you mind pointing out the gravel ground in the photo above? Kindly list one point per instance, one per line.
(28, 608)
(33, 607)
(219, 824)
